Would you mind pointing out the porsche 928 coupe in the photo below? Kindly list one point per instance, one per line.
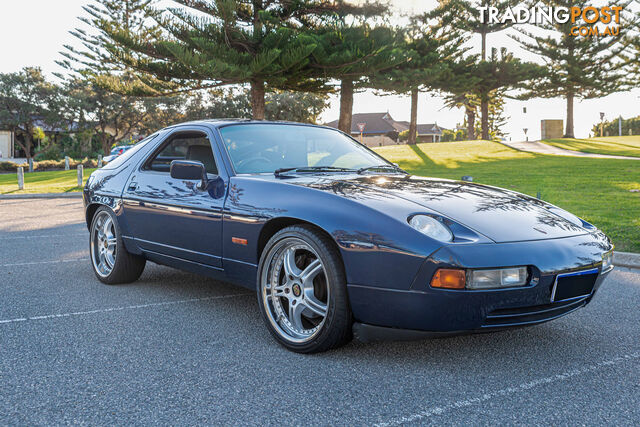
(336, 240)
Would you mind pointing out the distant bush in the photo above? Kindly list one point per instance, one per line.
(632, 124)
(404, 135)
(48, 165)
(49, 152)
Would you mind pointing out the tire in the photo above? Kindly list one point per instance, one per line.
(302, 291)
(111, 262)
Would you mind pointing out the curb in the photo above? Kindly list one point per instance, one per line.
(77, 194)
(626, 259)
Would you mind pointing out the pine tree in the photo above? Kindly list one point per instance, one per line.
(577, 67)
(466, 15)
(206, 44)
(352, 53)
(470, 103)
(431, 51)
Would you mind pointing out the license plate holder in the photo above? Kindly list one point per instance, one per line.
(578, 284)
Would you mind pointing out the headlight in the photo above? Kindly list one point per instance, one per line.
(501, 278)
(431, 227)
(607, 260)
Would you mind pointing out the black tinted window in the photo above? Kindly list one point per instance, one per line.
(184, 146)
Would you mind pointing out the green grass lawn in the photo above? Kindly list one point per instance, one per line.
(43, 182)
(615, 145)
(594, 189)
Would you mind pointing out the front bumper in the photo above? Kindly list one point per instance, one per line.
(423, 308)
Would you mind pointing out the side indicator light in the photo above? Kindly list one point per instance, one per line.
(449, 279)
(239, 241)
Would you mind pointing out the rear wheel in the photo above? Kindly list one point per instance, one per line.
(302, 291)
(110, 260)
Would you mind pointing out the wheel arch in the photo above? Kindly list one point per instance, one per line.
(274, 225)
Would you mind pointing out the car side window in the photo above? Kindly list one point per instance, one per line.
(188, 145)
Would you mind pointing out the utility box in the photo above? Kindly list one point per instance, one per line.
(550, 129)
(6, 144)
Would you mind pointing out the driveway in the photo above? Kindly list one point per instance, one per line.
(176, 348)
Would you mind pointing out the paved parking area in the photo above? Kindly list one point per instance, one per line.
(176, 348)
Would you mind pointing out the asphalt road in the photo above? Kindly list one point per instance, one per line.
(175, 348)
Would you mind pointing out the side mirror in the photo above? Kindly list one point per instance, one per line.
(187, 169)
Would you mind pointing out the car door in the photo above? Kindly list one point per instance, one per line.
(175, 217)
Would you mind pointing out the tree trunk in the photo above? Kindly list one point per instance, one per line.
(106, 144)
(483, 37)
(346, 106)
(413, 124)
(257, 99)
(484, 109)
(569, 131)
(471, 123)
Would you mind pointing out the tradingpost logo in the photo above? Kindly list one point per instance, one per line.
(587, 22)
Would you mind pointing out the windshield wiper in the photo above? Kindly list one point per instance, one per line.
(387, 167)
(281, 171)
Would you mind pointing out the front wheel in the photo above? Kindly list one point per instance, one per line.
(110, 260)
(302, 291)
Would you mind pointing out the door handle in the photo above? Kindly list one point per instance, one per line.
(132, 186)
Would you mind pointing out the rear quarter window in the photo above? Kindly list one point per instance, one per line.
(122, 159)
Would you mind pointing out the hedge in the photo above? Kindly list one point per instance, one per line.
(48, 165)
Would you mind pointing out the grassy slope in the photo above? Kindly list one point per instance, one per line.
(616, 145)
(595, 189)
(43, 182)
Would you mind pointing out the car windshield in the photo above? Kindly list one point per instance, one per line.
(266, 148)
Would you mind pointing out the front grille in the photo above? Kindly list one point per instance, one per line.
(531, 315)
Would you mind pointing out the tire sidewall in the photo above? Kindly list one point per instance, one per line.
(109, 279)
(335, 281)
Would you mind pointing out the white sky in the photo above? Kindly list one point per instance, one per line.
(32, 33)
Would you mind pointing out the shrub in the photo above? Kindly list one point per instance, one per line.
(49, 152)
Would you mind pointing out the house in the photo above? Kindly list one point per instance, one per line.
(10, 148)
(381, 129)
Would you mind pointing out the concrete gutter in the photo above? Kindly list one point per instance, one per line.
(626, 259)
(77, 194)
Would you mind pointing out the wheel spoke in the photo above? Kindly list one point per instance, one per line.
(295, 315)
(310, 272)
(111, 242)
(289, 263)
(110, 259)
(313, 303)
(106, 227)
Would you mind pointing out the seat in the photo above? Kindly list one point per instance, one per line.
(203, 153)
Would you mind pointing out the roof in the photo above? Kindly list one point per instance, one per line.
(382, 123)
(375, 123)
(426, 129)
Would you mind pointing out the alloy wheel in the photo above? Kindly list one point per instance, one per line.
(294, 290)
(103, 244)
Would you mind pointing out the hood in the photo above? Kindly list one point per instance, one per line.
(501, 215)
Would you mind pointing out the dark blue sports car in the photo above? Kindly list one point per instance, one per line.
(335, 239)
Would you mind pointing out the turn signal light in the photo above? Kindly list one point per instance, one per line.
(448, 278)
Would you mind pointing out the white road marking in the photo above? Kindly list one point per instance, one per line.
(44, 262)
(42, 236)
(127, 307)
(439, 410)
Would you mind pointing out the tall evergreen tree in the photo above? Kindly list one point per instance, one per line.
(577, 67)
(207, 44)
(352, 48)
(466, 15)
(431, 51)
(470, 104)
